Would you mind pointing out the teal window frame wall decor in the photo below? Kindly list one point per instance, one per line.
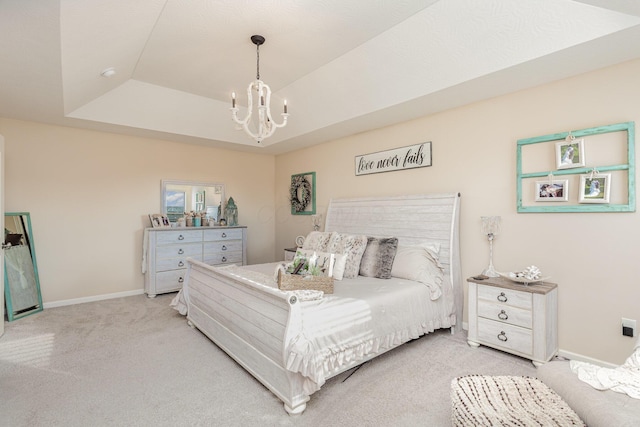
(629, 167)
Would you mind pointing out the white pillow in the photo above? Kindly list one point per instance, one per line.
(353, 247)
(339, 261)
(317, 241)
(420, 263)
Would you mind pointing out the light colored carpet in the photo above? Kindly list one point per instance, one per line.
(134, 362)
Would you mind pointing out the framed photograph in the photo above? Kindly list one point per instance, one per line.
(552, 191)
(159, 220)
(570, 154)
(302, 194)
(595, 188)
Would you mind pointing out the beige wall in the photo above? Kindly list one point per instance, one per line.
(89, 194)
(593, 257)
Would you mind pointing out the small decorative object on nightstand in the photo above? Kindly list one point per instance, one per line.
(511, 317)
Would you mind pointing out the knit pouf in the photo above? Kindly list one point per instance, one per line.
(478, 400)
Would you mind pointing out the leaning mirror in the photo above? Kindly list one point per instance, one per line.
(21, 282)
(179, 197)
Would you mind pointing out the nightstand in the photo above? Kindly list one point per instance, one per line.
(515, 318)
(290, 253)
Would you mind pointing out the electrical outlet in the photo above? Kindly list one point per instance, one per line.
(628, 327)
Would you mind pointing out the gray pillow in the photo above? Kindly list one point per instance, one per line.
(377, 259)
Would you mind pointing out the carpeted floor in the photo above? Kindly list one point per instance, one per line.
(134, 362)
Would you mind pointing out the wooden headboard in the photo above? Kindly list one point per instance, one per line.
(412, 219)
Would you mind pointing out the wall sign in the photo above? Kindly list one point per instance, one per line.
(411, 157)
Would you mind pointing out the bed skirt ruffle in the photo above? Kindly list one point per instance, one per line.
(318, 365)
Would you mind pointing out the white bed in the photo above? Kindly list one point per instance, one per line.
(293, 342)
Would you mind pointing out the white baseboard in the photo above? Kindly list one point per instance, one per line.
(582, 358)
(73, 301)
(563, 354)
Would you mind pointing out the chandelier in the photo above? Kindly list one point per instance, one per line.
(265, 126)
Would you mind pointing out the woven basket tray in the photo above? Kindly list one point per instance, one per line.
(293, 282)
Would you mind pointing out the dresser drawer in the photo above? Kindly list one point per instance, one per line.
(222, 246)
(182, 236)
(223, 234)
(223, 258)
(505, 313)
(508, 337)
(506, 296)
(165, 264)
(168, 281)
(179, 251)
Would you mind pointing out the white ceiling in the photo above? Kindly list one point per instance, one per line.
(344, 66)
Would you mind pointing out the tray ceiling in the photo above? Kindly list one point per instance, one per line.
(343, 66)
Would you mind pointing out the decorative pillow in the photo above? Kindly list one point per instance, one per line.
(317, 241)
(353, 247)
(339, 261)
(377, 259)
(420, 263)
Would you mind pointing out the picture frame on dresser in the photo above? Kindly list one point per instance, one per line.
(159, 221)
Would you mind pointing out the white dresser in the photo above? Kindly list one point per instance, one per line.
(515, 318)
(167, 249)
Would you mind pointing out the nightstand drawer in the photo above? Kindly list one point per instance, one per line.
(506, 296)
(508, 337)
(505, 313)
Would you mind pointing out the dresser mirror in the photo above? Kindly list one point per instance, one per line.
(179, 197)
(21, 282)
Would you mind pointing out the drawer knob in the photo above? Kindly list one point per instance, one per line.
(502, 297)
(224, 259)
(180, 251)
(224, 248)
(502, 336)
(502, 315)
(181, 237)
(224, 235)
(181, 280)
(181, 264)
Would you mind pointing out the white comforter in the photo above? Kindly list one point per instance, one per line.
(363, 317)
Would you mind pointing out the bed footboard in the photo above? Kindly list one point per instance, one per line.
(251, 323)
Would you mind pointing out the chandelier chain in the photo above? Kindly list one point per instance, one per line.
(257, 61)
